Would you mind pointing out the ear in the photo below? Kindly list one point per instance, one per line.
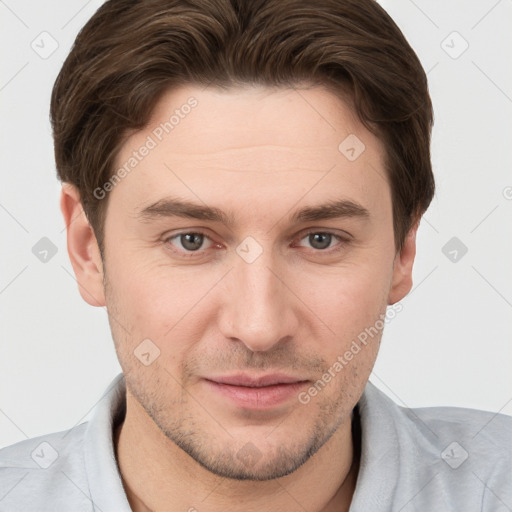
(401, 283)
(83, 248)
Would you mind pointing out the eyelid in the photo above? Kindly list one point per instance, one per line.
(328, 231)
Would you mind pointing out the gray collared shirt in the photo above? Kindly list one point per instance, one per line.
(430, 459)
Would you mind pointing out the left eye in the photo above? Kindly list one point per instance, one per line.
(319, 240)
(189, 241)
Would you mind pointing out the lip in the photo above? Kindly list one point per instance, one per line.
(257, 391)
(253, 381)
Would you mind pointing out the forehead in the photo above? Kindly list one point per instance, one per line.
(251, 116)
(255, 144)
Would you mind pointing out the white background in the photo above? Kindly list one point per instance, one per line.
(451, 344)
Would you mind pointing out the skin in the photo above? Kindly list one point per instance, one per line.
(259, 154)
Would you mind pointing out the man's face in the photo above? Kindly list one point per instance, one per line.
(268, 293)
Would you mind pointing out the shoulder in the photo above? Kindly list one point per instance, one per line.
(49, 466)
(463, 433)
(475, 448)
(484, 429)
(488, 427)
(454, 455)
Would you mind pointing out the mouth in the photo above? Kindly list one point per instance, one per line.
(257, 391)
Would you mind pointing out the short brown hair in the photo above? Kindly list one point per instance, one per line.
(132, 51)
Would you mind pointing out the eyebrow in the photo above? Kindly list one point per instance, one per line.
(175, 207)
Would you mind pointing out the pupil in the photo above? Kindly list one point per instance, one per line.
(320, 240)
(192, 241)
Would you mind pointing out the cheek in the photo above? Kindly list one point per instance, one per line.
(349, 300)
(146, 287)
(159, 301)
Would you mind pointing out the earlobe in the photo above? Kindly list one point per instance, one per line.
(402, 267)
(82, 247)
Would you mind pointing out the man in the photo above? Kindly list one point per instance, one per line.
(242, 186)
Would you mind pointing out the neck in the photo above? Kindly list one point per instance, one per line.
(158, 475)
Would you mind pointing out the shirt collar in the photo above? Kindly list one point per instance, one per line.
(380, 452)
(105, 484)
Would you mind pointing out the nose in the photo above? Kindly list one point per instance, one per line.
(259, 309)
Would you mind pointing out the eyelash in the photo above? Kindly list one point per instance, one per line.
(342, 242)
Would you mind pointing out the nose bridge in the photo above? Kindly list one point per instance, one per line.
(259, 309)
